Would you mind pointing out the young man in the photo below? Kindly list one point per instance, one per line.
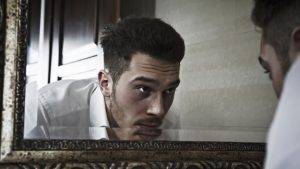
(132, 95)
(279, 56)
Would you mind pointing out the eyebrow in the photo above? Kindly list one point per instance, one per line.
(155, 82)
(175, 83)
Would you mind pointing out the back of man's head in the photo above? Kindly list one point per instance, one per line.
(150, 36)
(277, 19)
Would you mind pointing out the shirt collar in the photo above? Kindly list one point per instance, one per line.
(98, 116)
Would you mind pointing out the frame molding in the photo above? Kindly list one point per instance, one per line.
(19, 153)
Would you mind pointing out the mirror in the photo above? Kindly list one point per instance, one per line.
(223, 95)
(18, 152)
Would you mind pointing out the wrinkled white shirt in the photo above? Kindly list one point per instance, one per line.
(283, 148)
(75, 109)
(71, 109)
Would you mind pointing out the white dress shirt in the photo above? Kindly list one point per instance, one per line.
(71, 109)
(75, 109)
(283, 148)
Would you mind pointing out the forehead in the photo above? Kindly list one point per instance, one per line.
(143, 63)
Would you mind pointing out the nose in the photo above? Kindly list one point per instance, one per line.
(156, 107)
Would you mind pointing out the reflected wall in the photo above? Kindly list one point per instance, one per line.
(224, 94)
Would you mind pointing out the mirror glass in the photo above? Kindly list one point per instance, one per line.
(223, 94)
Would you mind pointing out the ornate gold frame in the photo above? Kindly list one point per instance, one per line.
(19, 153)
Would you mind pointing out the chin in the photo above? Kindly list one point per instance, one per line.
(147, 138)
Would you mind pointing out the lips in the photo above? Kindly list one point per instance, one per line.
(151, 122)
(149, 125)
(148, 132)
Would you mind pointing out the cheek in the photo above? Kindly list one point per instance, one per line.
(277, 74)
(168, 102)
(276, 69)
(130, 104)
(128, 100)
(277, 82)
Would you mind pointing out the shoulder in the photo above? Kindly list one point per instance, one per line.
(64, 85)
(66, 99)
(65, 89)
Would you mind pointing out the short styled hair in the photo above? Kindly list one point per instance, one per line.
(131, 35)
(277, 19)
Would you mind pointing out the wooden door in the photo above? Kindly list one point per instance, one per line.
(76, 25)
(64, 36)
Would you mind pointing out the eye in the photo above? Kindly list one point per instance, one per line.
(264, 65)
(270, 76)
(144, 89)
(266, 71)
(170, 91)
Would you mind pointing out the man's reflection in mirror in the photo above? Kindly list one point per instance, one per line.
(132, 95)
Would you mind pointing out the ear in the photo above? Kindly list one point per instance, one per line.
(295, 44)
(105, 83)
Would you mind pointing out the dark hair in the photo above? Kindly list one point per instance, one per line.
(277, 19)
(150, 36)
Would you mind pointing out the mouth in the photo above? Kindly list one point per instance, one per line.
(148, 132)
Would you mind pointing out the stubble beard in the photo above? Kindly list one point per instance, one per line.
(116, 117)
(114, 109)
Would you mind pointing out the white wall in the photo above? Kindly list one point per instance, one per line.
(224, 94)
